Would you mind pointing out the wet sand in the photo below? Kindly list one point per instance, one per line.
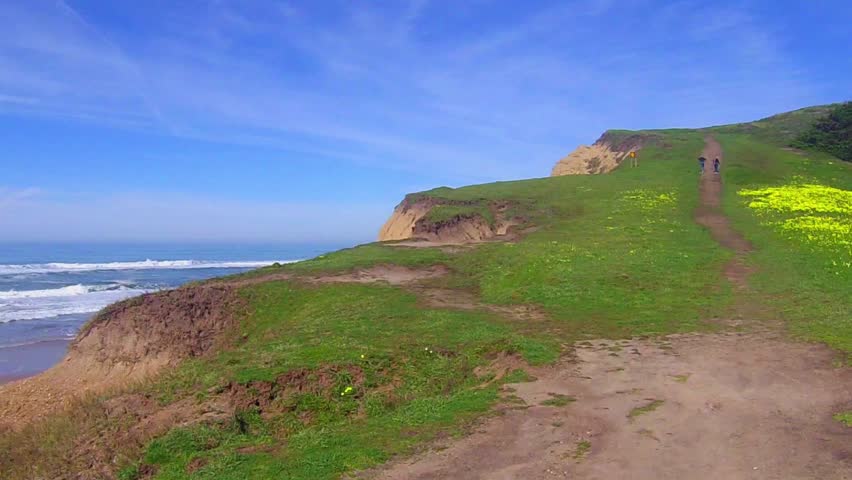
(27, 360)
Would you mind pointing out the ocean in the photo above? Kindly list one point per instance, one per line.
(48, 291)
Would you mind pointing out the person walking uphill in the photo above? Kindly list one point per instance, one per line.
(716, 165)
(701, 161)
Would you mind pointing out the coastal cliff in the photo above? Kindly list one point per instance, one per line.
(439, 220)
(603, 156)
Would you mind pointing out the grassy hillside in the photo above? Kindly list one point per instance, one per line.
(803, 234)
(338, 377)
(779, 130)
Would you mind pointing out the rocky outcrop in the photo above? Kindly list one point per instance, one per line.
(400, 226)
(603, 156)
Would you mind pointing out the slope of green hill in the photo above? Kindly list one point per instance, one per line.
(781, 129)
(328, 378)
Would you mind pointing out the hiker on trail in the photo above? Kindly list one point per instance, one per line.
(701, 161)
(716, 165)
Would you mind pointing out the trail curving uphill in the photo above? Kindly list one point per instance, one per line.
(737, 405)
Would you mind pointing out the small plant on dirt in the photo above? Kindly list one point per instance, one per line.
(647, 408)
(558, 400)
(844, 418)
(518, 376)
(582, 450)
(681, 378)
(514, 399)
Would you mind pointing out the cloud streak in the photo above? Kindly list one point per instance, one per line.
(407, 87)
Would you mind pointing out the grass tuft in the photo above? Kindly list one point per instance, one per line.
(647, 408)
(558, 400)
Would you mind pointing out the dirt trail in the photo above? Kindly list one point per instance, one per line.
(731, 405)
(709, 214)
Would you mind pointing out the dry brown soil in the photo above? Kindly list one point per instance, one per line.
(750, 404)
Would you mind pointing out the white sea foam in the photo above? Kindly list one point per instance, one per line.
(72, 299)
(68, 291)
(141, 265)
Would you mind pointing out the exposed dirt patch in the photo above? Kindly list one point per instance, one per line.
(462, 230)
(270, 397)
(195, 465)
(461, 300)
(735, 418)
(416, 280)
(501, 366)
(392, 274)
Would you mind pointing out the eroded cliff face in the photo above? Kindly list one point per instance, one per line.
(158, 329)
(603, 156)
(127, 342)
(410, 221)
(400, 226)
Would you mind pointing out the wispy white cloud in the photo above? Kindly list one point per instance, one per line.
(408, 86)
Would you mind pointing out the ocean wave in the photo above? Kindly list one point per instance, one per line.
(67, 291)
(56, 267)
(71, 299)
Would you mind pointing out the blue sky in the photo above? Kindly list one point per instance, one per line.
(303, 121)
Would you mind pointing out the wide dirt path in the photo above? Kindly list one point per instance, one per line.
(740, 405)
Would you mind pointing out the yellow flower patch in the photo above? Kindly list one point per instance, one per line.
(801, 198)
(649, 199)
(816, 215)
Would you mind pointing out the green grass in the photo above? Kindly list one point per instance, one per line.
(844, 418)
(403, 374)
(644, 409)
(363, 256)
(603, 264)
(798, 281)
(558, 400)
(518, 376)
(778, 130)
(582, 449)
(440, 214)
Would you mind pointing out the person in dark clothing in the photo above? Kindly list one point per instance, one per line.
(716, 165)
(701, 161)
